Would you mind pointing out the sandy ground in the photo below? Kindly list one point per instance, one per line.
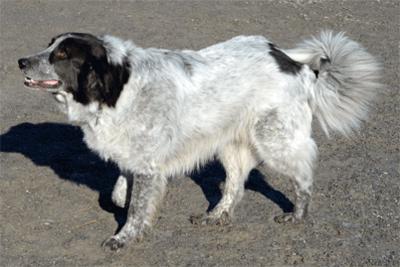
(55, 194)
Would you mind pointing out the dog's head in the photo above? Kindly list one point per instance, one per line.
(77, 64)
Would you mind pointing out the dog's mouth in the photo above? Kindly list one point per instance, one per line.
(47, 85)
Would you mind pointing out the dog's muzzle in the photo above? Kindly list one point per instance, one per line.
(47, 85)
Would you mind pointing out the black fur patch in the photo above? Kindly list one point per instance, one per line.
(86, 72)
(285, 63)
(51, 42)
(325, 61)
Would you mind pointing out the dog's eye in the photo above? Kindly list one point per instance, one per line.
(61, 54)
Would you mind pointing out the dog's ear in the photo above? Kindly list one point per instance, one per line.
(98, 79)
(102, 81)
(115, 77)
(89, 85)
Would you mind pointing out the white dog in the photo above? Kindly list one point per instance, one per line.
(161, 113)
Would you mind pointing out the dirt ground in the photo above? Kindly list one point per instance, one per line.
(55, 207)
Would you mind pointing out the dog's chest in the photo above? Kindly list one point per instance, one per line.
(129, 145)
(109, 141)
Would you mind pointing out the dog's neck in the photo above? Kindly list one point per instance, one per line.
(117, 49)
(75, 111)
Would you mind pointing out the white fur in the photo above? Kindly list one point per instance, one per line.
(347, 85)
(120, 191)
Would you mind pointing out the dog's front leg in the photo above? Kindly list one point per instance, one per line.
(120, 191)
(147, 192)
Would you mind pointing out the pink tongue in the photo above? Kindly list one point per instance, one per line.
(50, 82)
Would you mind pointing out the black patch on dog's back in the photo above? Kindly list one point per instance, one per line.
(285, 63)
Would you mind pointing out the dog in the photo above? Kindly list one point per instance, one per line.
(161, 113)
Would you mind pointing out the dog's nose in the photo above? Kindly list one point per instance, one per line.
(23, 63)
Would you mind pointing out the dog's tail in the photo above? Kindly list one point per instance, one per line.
(347, 80)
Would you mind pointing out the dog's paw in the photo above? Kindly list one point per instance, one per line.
(113, 244)
(210, 219)
(198, 219)
(288, 218)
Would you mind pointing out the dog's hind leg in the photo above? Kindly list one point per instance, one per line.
(299, 170)
(147, 193)
(238, 161)
(283, 142)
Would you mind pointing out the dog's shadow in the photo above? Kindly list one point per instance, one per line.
(61, 147)
(212, 175)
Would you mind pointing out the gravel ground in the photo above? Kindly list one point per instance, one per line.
(54, 193)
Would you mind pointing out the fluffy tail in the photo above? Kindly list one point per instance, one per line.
(348, 79)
